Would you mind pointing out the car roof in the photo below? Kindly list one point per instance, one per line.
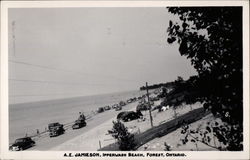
(53, 123)
(127, 113)
(23, 138)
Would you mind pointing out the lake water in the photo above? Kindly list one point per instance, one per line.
(26, 118)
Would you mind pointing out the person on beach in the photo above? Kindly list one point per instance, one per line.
(38, 133)
(82, 116)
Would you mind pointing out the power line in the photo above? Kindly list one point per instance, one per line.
(40, 95)
(69, 71)
(57, 82)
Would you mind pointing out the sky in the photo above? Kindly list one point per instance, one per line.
(68, 52)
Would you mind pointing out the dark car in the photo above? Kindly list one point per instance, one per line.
(120, 114)
(100, 110)
(129, 116)
(55, 129)
(142, 107)
(22, 143)
(79, 124)
(122, 103)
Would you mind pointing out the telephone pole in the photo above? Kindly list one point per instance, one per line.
(150, 115)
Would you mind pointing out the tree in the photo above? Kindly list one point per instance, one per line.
(211, 37)
(125, 139)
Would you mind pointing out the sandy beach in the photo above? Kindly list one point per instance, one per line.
(95, 134)
(26, 118)
(95, 130)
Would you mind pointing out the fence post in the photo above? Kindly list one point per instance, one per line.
(100, 144)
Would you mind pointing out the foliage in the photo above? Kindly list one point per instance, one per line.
(228, 136)
(155, 86)
(167, 147)
(125, 139)
(182, 92)
(211, 37)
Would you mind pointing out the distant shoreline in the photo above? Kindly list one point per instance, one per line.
(74, 97)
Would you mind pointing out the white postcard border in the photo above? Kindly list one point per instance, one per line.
(6, 154)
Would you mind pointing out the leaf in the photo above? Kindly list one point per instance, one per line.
(208, 139)
(208, 129)
(183, 131)
(192, 131)
(170, 23)
(183, 47)
(171, 39)
(184, 25)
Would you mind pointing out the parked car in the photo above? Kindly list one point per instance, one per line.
(142, 100)
(55, 129)
(129, 116)
(115, 106)
(154, 98)
(120, 115)
(118, 108)
(129, 100)
(79, 124)
(142, 107)
(122, 103)
(107, 108)
(22, 144)
(100, 110)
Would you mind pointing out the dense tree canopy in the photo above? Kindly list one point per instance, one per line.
(211, 37)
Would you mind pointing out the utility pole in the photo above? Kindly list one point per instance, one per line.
(150, 115)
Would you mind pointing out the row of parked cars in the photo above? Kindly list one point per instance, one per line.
(54, 129)
(118, 106)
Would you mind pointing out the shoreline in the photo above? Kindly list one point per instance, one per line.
(27, 118)
(93, 125)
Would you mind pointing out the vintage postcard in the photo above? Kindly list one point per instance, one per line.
(124, 80)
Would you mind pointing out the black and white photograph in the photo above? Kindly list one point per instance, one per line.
(143, 79)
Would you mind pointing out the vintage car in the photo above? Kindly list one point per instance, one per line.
(129, 100)
(142, 107)
(79, 124)
(107, 108)
(120, 114)
(154, 98)
(55, 129)
(114, 106)
(100, 110)
(129, 116)
(118, 108)
(22, 144)
(122, 103)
